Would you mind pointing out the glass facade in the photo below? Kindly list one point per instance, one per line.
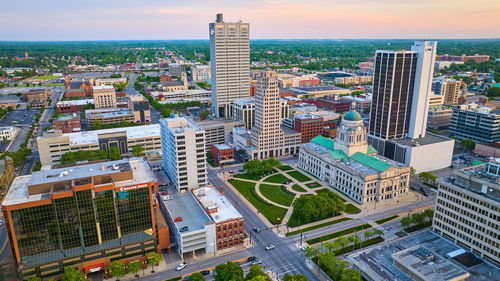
(134, 211)
(71, 226)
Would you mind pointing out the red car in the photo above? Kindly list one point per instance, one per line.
(178, 219)
(164, 193)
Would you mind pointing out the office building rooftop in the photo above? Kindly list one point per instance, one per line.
(185, 205)
(217, 205)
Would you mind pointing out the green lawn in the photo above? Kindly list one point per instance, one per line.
(297, 187)
(317, 226)
(270, 211)
(285, 168)
(276, 194)
(351, 209)
(338, 234)
(278, 178)
(418, 226)
(384, 220)
(47, 77)
(54, 84)
(248, 177)
(299, 176)
(313, 184)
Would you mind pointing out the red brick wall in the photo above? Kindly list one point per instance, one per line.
(230, 233)
(224, 154)
(308, 128)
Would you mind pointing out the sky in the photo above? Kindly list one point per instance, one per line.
(68, 20)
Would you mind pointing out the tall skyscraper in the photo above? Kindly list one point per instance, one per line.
(229, 63)
(183, 152)
(402, 88)
(401, 91)
(267, 137)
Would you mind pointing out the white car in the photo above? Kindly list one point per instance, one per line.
(270, 247)
(166, 197)
(181, 266)
(256, 262)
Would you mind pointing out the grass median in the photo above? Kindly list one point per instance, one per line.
(270, 211)
(384, 220)
(338, 234)
(299, 176)
(317, 226)
(278, 178)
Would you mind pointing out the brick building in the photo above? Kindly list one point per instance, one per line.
(229, 223)
(222, 153)
(337, 105)
(81, 84)
(75, 93)
(309, 126)
(72, 106)
(69, 123)
(37, 97)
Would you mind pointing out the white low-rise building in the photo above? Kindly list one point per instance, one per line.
(349, 164)
(8, 132)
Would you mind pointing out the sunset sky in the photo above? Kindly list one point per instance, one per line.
(188, 19)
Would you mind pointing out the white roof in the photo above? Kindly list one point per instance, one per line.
(75, 102)
(103, 87)
(133, 132)
(211, 198)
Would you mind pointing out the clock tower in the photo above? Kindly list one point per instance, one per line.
(351, 134)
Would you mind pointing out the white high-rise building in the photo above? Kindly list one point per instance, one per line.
(183, 149)
(229, 63)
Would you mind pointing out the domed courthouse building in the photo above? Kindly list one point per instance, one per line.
(352, 166)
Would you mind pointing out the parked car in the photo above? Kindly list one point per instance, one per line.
(183, 229)
(205, 272)
(257, 229)
(164, 193)
(186, 278)
(270, 247)
(256, 262)
(167, 197)
(181, 266)
(252, 258)
(178, 219)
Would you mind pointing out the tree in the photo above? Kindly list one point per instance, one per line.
(330, 246)
(343, 242)
(312, 252)
(367, 234)
(203, 115)
(196, 277)
(296, 277)
(354, 239)
(97, 125)
(428, 178)
(350, 275)
(154, 259)
(406, 222)
(418, 218)
(468, 144)
(114, 153)
(493, 92)
(378, 232)
(428, 214)
(71, 273)
(135, 267)
(117, 269)
(34, 278)
(412, 171)
(255, 270)
(138, 151)
(229, 271)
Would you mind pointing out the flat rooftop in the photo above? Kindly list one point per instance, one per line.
(108, 112)
(211, 198)
(19, 192)
(222, 146)
(103, 87)
(428, 139)
(428, 265)
(90, 137)
(75, 102)
(209, 124)
(318, 88)
(378, 261)
(244, 102)
(185, 205)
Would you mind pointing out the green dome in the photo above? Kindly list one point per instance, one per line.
(352, 116)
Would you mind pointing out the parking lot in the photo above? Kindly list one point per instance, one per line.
(19, 117)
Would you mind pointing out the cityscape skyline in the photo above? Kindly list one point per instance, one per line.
(125, 20)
